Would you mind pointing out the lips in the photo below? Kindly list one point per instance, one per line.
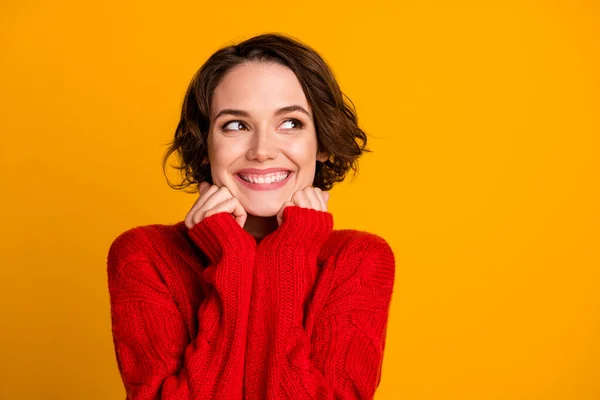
(257, 171)
(263, 186)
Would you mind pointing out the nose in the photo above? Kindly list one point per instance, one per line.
(262, 146)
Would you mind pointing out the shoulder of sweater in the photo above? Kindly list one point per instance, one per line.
(359, 254)
(153, 262)
(351, 238)
(146, 241)
(355, 244)
(157, 254)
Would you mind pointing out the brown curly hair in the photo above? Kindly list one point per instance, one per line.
(338, 134)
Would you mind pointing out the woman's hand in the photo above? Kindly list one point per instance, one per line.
(212, 200)
(309, 197)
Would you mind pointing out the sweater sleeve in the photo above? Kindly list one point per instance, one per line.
(334, 350)
(156, 357)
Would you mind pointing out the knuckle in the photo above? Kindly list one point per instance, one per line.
(223, 191)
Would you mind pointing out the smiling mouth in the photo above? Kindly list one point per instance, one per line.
(265, 178)
(260, 182)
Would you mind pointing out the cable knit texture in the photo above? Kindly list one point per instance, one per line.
(207, 313)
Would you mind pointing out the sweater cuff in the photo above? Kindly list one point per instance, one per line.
(304, 227)
(219, 234)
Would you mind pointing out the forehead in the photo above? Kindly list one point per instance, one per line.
(258, 88)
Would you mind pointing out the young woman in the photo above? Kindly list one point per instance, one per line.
(255, 295)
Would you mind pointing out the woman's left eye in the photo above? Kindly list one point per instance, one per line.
(295, 121)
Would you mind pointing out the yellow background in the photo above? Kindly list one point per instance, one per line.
(484, 122)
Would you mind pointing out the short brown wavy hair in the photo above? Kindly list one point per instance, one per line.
(335, 120)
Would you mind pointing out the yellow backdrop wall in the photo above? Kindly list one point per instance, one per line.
(484, 124)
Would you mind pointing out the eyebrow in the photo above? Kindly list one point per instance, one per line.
(283, 110)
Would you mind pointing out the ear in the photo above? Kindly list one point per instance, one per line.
(323, 156)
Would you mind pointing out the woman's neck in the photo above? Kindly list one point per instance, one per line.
(259, 227)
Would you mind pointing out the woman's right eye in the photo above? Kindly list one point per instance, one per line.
(236, 124)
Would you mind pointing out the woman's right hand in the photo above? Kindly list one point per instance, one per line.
(212, 200)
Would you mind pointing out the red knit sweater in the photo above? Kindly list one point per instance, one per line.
(207, 313)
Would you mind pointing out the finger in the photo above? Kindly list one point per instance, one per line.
(280, 213)
(218, 197)
(197, 216)
(199, 203)
(299, 198)
(205, 190)
(202, 187)
(313, 198)
(204, 196)
(324, 196)
(321, 197)
(239, 213)
(230, 206)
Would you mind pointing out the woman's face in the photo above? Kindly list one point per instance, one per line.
(261, 120)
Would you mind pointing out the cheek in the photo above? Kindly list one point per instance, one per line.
(305, 161)
(302, 152)
(224, 155)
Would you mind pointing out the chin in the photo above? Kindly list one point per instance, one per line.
(261, 211)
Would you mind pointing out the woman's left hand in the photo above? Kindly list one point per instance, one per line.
(309, 197)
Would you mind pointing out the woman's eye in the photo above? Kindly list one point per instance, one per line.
(235, 124)
(296, 122)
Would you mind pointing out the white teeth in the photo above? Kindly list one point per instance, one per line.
(270, 178)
